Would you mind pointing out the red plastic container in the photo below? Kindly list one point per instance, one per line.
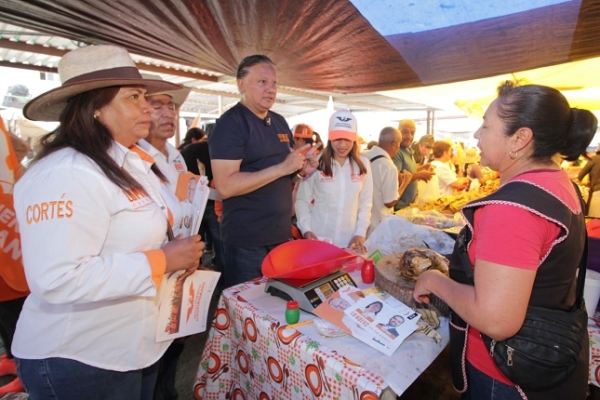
(367, 272)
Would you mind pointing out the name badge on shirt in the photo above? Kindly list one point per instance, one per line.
(137, 198)
(179, 166)
(325, 178)
(357, 177)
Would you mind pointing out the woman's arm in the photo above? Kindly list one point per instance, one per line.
(498, 302)
(365, 203)
(585, 170)
(303, 205)
(496, 305)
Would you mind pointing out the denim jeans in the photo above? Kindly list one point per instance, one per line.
(65, 379)
(483, 387)
(243, 263)
(167, 372)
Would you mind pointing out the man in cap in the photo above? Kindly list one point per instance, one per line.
(385, 174)
(303, 134)
(422, 149)
(252, 165)
(405, 161)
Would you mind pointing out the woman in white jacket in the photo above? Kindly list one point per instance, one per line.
(94, 230)
(334, 202)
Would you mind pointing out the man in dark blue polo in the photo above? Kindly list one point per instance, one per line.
(253, 167)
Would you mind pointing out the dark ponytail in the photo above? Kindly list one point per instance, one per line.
(581, 132)
(557, 128)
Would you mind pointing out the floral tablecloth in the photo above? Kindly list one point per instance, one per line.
(252, 355)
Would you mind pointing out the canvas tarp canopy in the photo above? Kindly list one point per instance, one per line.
(338, 46)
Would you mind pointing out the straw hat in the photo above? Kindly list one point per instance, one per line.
(427, 141)
(471, 156)
(89, 68)
(178, 96)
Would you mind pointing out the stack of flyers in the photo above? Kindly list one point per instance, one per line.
(183, 303)
(371, 316)
(193, 192)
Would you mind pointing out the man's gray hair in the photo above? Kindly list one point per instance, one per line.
(388, 135)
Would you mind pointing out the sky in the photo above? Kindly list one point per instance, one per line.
(411, 16)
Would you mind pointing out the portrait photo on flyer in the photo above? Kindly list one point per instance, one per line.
(387, 325)
(371, 316)
(192, 191)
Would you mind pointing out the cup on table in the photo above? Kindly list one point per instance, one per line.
(591, 291)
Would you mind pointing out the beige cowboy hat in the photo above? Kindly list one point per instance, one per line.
(472, 156)
(89, 68)
(178, 95)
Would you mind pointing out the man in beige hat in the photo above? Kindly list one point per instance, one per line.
(171, 163)
(162, 128)
(405, 161)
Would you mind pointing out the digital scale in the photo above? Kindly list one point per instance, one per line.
(308, 293)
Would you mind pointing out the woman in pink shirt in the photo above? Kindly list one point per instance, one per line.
(525, 250)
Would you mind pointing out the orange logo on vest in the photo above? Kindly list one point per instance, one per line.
(283, 137)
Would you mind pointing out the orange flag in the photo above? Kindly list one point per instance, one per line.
(12, 277)
(196, 121)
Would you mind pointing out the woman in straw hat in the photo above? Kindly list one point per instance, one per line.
(94, 236)
(473, 169)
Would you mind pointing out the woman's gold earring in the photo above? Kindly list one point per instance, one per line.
(96, 117)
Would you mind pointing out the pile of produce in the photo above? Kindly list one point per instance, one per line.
(397, 274)
(414, 261)
(454, 203)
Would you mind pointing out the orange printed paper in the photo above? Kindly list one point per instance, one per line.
(12, 276)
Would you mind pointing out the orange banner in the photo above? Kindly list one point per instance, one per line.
(12, 276)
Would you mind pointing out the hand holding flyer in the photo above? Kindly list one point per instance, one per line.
(183, 304)
(192, 191)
